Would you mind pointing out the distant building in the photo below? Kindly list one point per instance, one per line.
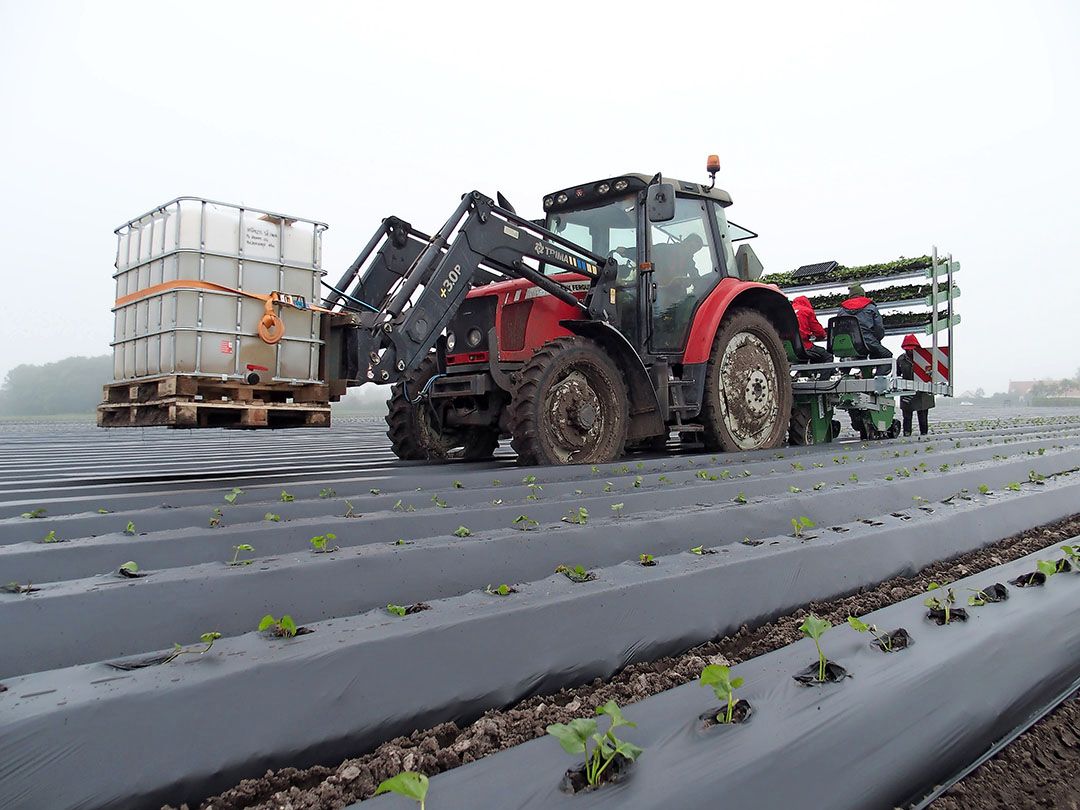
(1021, 390)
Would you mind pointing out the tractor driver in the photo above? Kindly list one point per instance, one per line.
(679, 283)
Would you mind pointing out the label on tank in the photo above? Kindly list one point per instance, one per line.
(260, 238)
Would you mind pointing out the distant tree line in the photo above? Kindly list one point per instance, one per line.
(1046, 389)
(68, 386)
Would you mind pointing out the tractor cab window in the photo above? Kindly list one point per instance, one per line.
(684, 270)
(609, 230)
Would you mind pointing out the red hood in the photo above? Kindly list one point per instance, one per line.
(801, 302)
(858, 302)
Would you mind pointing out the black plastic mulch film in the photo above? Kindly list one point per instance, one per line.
(879, 739)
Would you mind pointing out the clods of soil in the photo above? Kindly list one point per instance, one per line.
(898, 639)
(740, 713)
(574, 781)
(834, 673)
(1033, 579)
(937, 615)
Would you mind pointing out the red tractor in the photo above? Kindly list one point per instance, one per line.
(624, 315)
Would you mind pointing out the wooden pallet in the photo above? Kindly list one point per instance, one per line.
(197, 402)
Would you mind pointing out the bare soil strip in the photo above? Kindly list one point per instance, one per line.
(447, 746)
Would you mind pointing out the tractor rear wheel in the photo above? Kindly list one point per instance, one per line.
(747, 386)
(570, 405)
(413, 431)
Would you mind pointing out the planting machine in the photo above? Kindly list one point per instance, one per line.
(624, 315)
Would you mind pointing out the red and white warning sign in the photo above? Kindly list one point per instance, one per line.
(226, 347)
(922, 363)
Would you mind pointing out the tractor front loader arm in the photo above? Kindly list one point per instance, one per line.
(481, 242)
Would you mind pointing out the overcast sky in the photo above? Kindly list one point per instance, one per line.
(855, 131)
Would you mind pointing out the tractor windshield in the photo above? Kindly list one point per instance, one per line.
(603, 229)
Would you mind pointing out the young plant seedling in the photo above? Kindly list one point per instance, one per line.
(884, 640)
(740, 498)
(270, 516)
(374, 491)
(286, 497)
(794, 490)
(129, 569)
(575, 736)
(320, 543)
(215, 519)
(206, 638)
(701, 550)
(495, 482)
(230, 497)
(50, 537)
(943, 604)
(723, 685)
(576, 574)
(984, 489)
(327, 492)
(502, 590)
(458, 485)
(1072, 553)
(529, 480)
(608, 486)
(129, 530)
(534, 492)
(34, 514)
(462, 531)
(705, 475)
(1013, 486)
(638, 481)
(798, 524)
(349, 511)
(853, 478)
(401, 506)
(397, 610)
(236, 554)
(409, 784)
(18, 587)
(815, 628)
(617, 508)
(439, 502)
(284, 627)
(103, 511)
(579, 516)
(524, 522)
(647, 560)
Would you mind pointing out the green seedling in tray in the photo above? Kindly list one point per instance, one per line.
(409, 784)
(575, 736)
(723, 685)
(284, 627)
(815, 628)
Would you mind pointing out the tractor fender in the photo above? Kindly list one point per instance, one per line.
(764, 298)
(646, 418)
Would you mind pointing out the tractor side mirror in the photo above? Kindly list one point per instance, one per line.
(747, 263)
(660, 202)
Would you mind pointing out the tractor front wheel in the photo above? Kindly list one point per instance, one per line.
(747, 386)
(414, 433)
(570, 405)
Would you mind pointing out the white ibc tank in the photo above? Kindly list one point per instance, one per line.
(185, 275)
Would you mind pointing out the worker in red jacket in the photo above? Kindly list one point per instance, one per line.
(809, 329)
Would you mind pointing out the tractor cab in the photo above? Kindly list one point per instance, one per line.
(666, 255)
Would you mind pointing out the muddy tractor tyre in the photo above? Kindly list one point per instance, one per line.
(570, 405)
(747, 386)
(801, 430)
(413, 434)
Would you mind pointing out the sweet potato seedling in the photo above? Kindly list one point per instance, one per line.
(495, 482)
(529, 479)
(794, 490)
(646, 559)
(50, 537)
(286, 497)
(397, 610)
(617, 508)
(883, 639)
(34, 514)
(579, 516)
(101, 510)
(814, 628)
(462, 531)
(409, 784)
(1072, 553)
(638, 481)
(1013, 486)
(206, 638)
(270, 516)
(401, 506)
(458, 485)
(320, 543)
(18, 587)
(575, 736)
(798, 524)
(984, 489)
(608, 486)
(284, 627)
(349, 511)
(723, 685)
(524, 523)
(705, 475)
(129, 530)
(502, 590)
(944, 603)
(128, 569)
(576, 574)
(326, 492)
(215, 519)
(230, 497)
(236, 554)
(439, 502)
(740, 498)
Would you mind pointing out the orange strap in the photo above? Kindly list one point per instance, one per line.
(271, 327)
